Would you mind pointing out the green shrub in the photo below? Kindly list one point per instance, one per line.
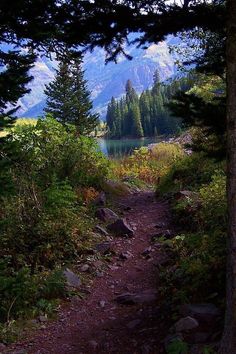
(200, 255)
(189, 173)
(48, 150)
(44, 223)
(177, 347)
(205, 209)
(41, 228)
(23, 294)
(213, 212)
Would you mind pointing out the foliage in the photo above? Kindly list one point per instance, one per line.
(50, 150)
(213, 210)
(23, 294)
(198, 269)
(177, 347)
(14, 76)
(72, 28)
(147, 165)
(44, 217)
(188, 173)
(148, 114)
(47, 225)
(68, 99)
(204, 106)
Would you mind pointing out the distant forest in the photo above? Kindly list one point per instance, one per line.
(148, 114)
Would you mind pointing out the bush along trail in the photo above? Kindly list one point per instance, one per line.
(125, 308)
(121, 312)
(102, 263)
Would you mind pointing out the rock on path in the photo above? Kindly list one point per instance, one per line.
(100, 324)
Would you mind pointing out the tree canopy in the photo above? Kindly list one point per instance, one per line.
(104, 23)
(68, 99)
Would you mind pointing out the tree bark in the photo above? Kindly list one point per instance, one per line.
(228, 344)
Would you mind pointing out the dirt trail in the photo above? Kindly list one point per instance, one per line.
(98, 324)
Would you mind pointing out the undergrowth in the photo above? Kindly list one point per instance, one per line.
(197, 271)
(50, 177)
(147, 165)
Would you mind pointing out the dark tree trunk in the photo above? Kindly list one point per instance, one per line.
(228, 345)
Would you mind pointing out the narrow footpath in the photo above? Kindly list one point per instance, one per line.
(121, 315)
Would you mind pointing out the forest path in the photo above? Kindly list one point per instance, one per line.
(98, 324)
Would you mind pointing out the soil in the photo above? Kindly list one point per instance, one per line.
(98, 324)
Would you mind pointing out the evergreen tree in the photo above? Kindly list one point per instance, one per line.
(147, 115)
(156, 82)
(111, 117)
(137, 129)
(68, 99)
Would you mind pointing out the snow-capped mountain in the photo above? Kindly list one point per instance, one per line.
(104, 81)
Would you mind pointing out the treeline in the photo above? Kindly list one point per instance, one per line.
(147, 114)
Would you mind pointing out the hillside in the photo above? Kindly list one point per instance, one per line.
(104, 81)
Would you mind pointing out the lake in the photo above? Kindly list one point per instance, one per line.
(123, 147)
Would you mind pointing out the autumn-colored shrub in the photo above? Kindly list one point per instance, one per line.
(148, 164)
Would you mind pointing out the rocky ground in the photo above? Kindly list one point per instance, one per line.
(122, 311)
(121, 314)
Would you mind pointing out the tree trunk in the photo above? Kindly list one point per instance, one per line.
(228, 345)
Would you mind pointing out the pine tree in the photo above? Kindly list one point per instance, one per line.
(137, 129)
(68, 99)
(156, 82)
(111, 117)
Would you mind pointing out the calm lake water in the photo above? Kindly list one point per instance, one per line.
(124, 147)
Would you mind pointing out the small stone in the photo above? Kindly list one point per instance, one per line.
(147, 251)
(133, 324)
(121, 228)
(127, 208)
(101, 230)
(106, 214)
(99, 274)
(160, 225)
(103, 248)
(116, 188)
(43, 319)
(204, 313)
(113, 267)
(93, 344)
(84, 268)
(72, 279)
(186, 324)
(164, 233)
(138, 298)
(102, 303)
(126, 255)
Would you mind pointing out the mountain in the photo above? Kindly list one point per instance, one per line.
(104, 81)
